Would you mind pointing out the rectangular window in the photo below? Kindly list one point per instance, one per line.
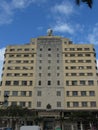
(91, 93)
(23, 93)
(67, 83)
(74, 82)
(15, 93)
(90, 82)
(83, 93)
(22, 104)
(93, 104)
(15, 82)
(84, 104)
(75, 104)
(82, 82)
(58, 104)
(38, 104)
(13, 103)
(58, 82)
(30, 93)
(49, 82)
(39, 93)
(68, 93)
(68, 104)
(24, 83)
(75, 93)
(39, 82)
(30, 83)
(8, 83)
(58, 93)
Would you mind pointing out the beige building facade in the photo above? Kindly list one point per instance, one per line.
(50, 72)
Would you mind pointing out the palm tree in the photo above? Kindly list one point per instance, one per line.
(89, 2)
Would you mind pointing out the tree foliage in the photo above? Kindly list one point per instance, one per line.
(88, 2)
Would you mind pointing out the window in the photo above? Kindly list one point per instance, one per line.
(89, 67)
(58, 93)
(30, 93)
(75, 104)
(88, 61)
(88, 55)
(73, 74)
(8, 83)
(38, 104)
(26, 55)
(49, 55)
(15, 82)
(58, 82)
(90, 82)
(25, 61)
(9, 74)
(22, 104)
(82, 82)
(80, 55)
(58, 67)
(26, 49)
(40, 49)
(15, 93)
(74, 82)
(29, 104)
(49, 74)
(12, 49)
(86, 49)
(81, 67)
(39, 82)
(81, 74)
(72, 55)
(91, 93)
(23, 93)
(75, 93)
(73, 67)
(93, 104)
(14, 103)
(89, 74)
(39, 93)
(24, 83)
(40, 74)
(79, 49)
(49, 82)
(6, 92)
(18, 61)
(49, 61)
(67, 83)
(49, 49)
(58, 104)
(84, 104)
(40, 67)
(68, 104)
(24, 74)
(68, 93)
(30, 83)
(16, 74)
(83, 93)
(80, 61)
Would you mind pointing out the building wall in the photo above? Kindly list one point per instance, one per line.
(50, 72)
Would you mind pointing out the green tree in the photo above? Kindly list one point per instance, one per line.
(88, 2)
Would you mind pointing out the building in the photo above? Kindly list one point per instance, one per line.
(50, 73)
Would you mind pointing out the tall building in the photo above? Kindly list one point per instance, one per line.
(50, 72)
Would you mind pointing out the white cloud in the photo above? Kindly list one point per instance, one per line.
(2, 51)
(63, 27)
(65, 8)
(93, 36)
(7, 9)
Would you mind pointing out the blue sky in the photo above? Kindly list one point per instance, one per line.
(21, 20)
